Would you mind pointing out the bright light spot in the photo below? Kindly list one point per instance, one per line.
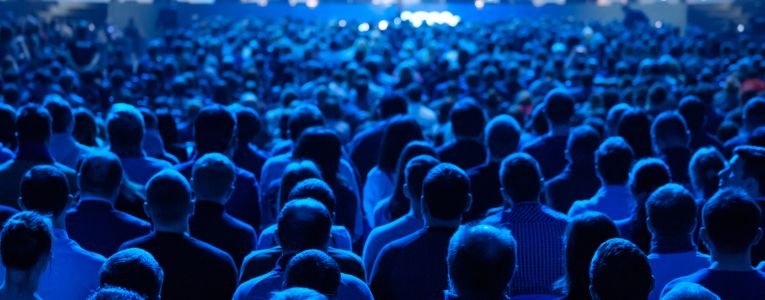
(479, 4)
(430, 18)
(397, 21)
(740, 28)
(342, 23)
(658, 24)
(292, 2)
(364, 27)
(91, 27)
(312, 3)
(383, 25)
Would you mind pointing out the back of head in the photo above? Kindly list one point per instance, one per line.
(303, 117)
(115, 293)
(125, 126)
(399, 132)
(689, 291)
(669, 130)
(313, 269)
(635, 128)
(25, 239)
(614, 160)
(608, 278)
(416, 170)
(446, 192)
(298, 293)
(212, 177)
(467, 119)
(558, 107)
(582, 143)
(316, 189)
(304, 224)
(133, 269)
(502, 135)
(481, 261)
(100, 174)
(248, 123)
(61, 114)
(757, 138)
(168, 195)
(704, 170)
(648, 175)
(614, 116)
(754, 113)
(294, 173)
(214, 129)
(392, 105)
(33, 124)
(521, 178)
(45, 189)
(584, 235)
(693, 111)
(149, 118)
(323, 147)
(671, 211)
(753, 160)
(731, 220)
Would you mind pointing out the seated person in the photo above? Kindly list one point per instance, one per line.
(687, 291)
(133, 269)
(25, 248)
(115, 293)
(608, 279)
(315, 270)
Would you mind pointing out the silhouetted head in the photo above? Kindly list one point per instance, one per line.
(133, 269)
(168, 198)
(467, 118)
(446, 193)
(613, 160)
(704, 171)
(100, 175)
(521, 178)
(670, 131)
(45, 190)
(731, 222)
(215, 130)
(315, 270)
(213, 177)
(608, 278)
(303, 224)
(33, 124)
(502, 135)
(671, 212)
(25, 244)
(481, 261)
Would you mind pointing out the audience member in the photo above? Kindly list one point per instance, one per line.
(550, 149)
(115, 293)
(25, 248)
(647, 176)
(635, 128)
(694, 113)
(753, 116)
(608, 279)
(671, 139)
(689, 291)
(365, 146)
(578, 180)
(247, 155)
(313, 269)
(704, 169)
(63, 147)
(133, 269)
(467, 123)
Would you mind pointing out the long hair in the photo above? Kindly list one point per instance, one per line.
(399, 132)
(399, 204)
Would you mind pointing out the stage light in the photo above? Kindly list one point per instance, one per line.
(740, 28)
(383, 25)
(364, 27)
(342, 23)
(658, 24)
(479, 4)
(312, 3)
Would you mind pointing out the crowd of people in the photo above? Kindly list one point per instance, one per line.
(254, 159)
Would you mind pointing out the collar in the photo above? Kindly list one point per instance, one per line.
(672, 245)
(34, 152)
(95, 201)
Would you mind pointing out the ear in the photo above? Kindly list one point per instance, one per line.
(148, 210)
(469, 202)
(21, 204)
(650, 226)
(407, 194)
(757, 237)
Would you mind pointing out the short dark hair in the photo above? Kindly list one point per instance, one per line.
(33, 123)
(608, 278)
(166, 193)
(114, 293)
(61, 114)
(125, 126)
(213, 175)
(648, 175)
(446, 191)
(294, 173)
(303, 224)
(754, 163)
(467, 118)
(635, 128)
(521, 177)
(669, 127)
(693, 111)
(323, 147)
(298, 293)
(25, 238)
(583, 142)
(313, 269)
(317, 189)
(45, 189)
(214, 129)
(248, 123)
(133, 269)
(757, 137)
(502, 135)
(704, 169)
(731, 219)
(754, 113)
(671, 211)
(481, 260)
(100, 173)
(392, 105)
(415, 172)
(615, 115)
(303, 117)
(558, 107)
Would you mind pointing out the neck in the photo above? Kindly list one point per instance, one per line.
(33, 151)
(59, 222)
(20, 285)
(731, 262)
(559, 129)
(441, 223)
(415, 209)
(672, 244)
(181, 227)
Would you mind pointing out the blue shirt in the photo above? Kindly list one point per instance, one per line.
(669, 266)
(65, 150)
(212, 225)
(141, 168)
(100, 228)
(539, 231)
(261, 287)
(386, 234)
(339, 238)
(614, 201)
(733, 285)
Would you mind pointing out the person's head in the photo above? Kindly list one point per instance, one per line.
(558, 107)
(704, 171)
(399, 132)
(689, 291)
(414, 174)
(669, 131)
(7, 126)
(294, 173)
(61, 114)
(392, 105)
(115, 293)
(303, 117)
(248, 123)
(445, 193)
(85, 128)
(467, 119)
(33, 124)
(314, 188)
(313, 269)
(694, 112)
(609, 278)
(730, 223)
(583, 142)
(613, 160)
(648, 175)
(25, 245)
(481, 261)
(754, 114)
(303, 224)
(298, 293)
(45, 190)
(212, 178)
(635, 128)
(100, 175)
(215, 130)
(125, 127)
(671, 212)
(502, 134)
(323, 147)
(133, 269)
(614, 116)
(168, 198)
(521, 178)
(746, 170)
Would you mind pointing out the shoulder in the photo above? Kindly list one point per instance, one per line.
(344, 255)
(130, 219)
(238, 226)
(156, 162)
(354, 288)
(66, 170)
(212, 253)
(259, 256)
(138, 242)
(689, 278)
(555, 214)
(250, 288)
